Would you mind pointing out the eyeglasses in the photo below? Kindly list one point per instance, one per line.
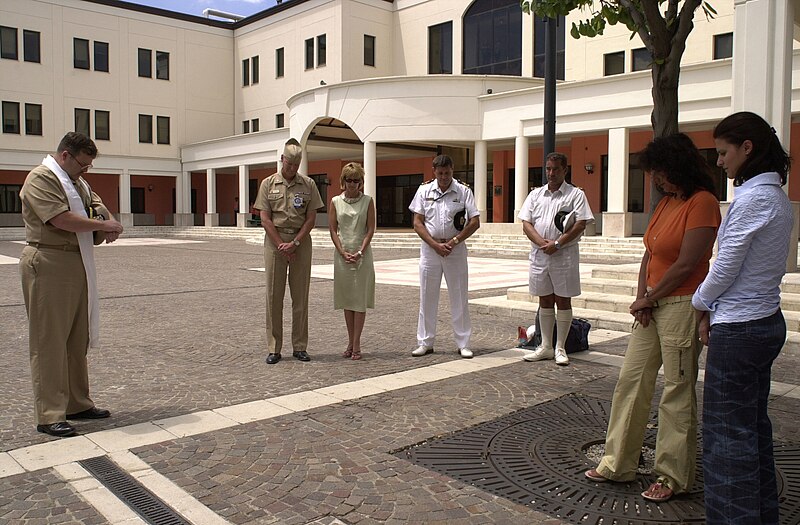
(354, 181)
(84, 167)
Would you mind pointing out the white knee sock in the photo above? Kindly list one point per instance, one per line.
(563, 322)
(547, 320)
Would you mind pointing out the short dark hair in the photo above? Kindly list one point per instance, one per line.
(768, 153)
(680, 161)
(442, 161)
(76, 143)
(555, 156)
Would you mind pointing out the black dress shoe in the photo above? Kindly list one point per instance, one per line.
(91, 413)
(60, 429)
(273, 358)
(301, 356)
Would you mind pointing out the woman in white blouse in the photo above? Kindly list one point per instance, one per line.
(740, 320)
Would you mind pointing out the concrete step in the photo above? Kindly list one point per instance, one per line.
(599, 319)
(527, 310)
(609, 286)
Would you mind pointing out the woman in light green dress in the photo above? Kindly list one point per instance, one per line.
(351, 218)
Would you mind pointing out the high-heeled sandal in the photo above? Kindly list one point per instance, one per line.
(356, 355)
(348, 353)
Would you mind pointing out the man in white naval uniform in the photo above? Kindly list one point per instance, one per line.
(445, 216)
(555, 260)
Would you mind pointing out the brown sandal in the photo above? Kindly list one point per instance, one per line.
(658, 492)
(348, 353)
(356, 355)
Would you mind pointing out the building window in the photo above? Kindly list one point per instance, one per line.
(11, 117)
(641, 59)
(440, 49)
(163, 130)
(80, 48)
(102, 125)
(369, 50)
(255, 126)
(145, 63)
(322, 50)
(31, 45)
(614, 63)
(33, 119)
(9, 198)
(137, 200)
(493, 38)
(8, 42)
(310, 53)
(101, 56)
(322, 185)
(245, 126)
(279, 63)
(254, 62)
(82, 121)
(723, 46)
(246, 72)
(146, 129)
(162, 65)
(279, 121)
(539, 32)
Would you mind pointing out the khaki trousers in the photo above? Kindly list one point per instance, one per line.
(299, 270)
(672, 339)
(54, 288)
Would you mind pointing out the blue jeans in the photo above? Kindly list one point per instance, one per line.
(738, 464)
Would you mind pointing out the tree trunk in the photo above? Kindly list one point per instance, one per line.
(665, 109)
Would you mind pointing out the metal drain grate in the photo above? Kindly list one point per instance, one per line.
(535, 457)
(143, 502)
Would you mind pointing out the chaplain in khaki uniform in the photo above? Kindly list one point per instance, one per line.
(59, 282)
(288, 203)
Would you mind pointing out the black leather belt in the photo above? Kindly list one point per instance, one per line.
(59, 247)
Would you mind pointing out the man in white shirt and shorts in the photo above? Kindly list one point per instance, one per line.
(554, 218)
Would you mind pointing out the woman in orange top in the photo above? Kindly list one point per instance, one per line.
(678, 242)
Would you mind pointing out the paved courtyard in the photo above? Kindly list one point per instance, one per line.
(206, 425)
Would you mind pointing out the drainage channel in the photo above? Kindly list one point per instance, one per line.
(147, 505)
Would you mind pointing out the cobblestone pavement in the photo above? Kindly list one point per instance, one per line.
(183, 331)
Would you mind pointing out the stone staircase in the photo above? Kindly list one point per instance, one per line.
(609, 291)
(606, 249)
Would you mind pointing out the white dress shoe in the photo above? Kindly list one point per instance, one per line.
(422, 350)
(466, 353)
(561, 357)
(539, 354)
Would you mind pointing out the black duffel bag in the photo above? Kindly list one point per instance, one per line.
(577, 339)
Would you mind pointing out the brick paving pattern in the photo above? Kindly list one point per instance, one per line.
(43, 498)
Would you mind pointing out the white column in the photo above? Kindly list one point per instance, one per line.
(527, 45)
(762, 60)
(303, 169)
(763, 34)
(212, 217)
(480, 177)
(187, 193)
(617, 221)
(244, 196)
(125, 215)
(520, 174)
(183, 199)
(370, 169)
